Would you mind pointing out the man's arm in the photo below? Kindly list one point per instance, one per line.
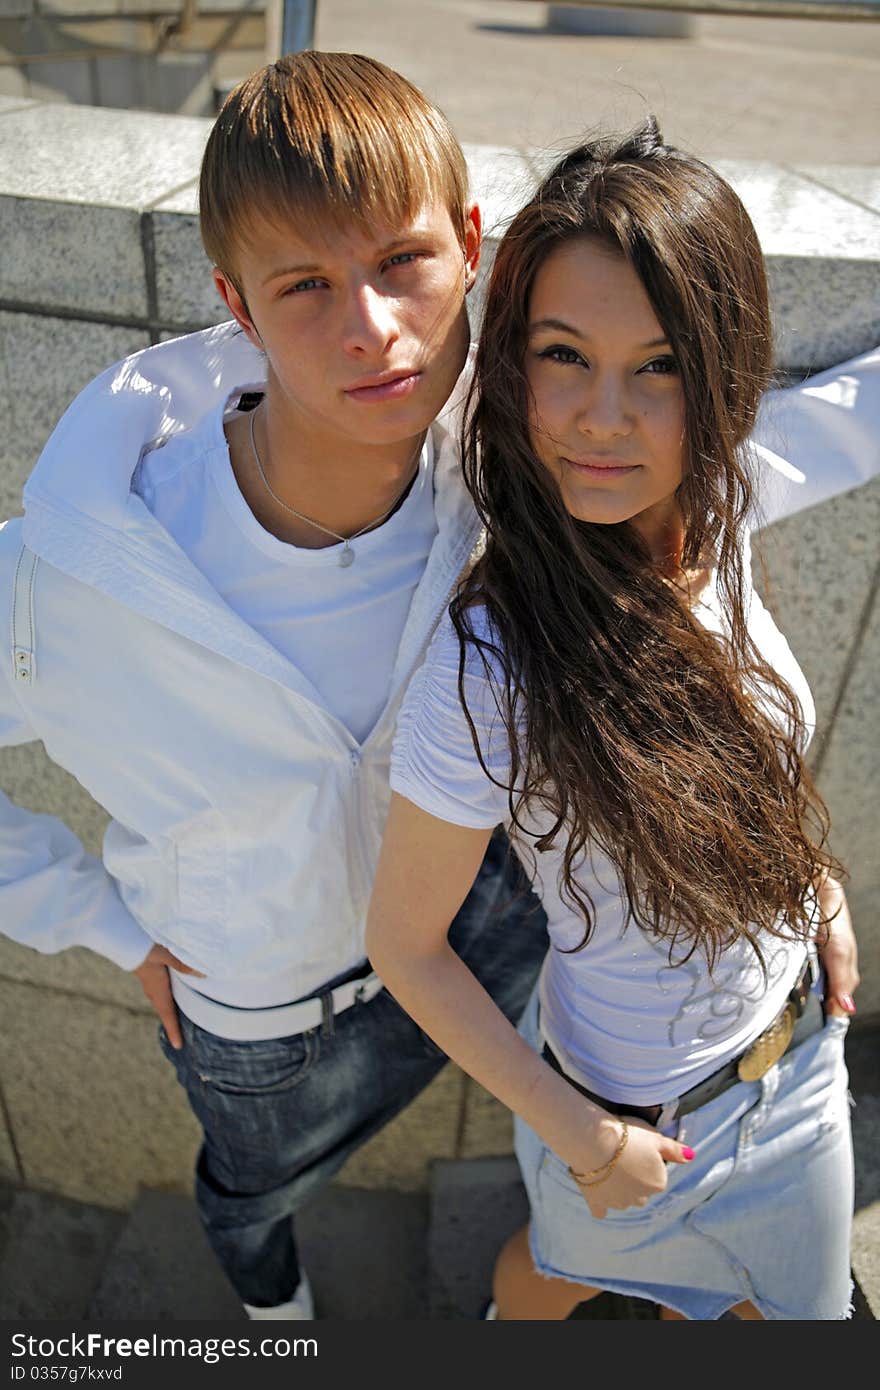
(53, 894)
(818, 439)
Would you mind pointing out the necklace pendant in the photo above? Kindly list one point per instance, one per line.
(347, 556)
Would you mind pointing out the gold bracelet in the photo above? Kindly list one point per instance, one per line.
(597, 1175)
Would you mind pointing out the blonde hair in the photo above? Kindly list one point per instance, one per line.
(320, 138)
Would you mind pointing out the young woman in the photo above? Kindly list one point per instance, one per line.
(609, 685)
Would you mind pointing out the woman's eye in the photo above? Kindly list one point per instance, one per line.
(565, 355)
(661, 366)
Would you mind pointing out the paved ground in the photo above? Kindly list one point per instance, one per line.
(740, 88)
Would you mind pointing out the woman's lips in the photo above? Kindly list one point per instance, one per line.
(601, 467)
(392, 388)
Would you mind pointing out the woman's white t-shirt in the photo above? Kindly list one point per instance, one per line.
(622, 1020)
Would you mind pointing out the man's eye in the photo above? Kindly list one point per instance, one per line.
(402, 258)
(311, 284)
(565, 355)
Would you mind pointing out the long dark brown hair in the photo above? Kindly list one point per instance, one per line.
(678, 755)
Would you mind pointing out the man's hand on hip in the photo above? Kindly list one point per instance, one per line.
(155, 982)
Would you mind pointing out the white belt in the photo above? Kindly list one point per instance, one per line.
(278, 1021)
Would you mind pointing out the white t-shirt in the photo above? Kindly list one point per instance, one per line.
(341, 627)
(621, 1020)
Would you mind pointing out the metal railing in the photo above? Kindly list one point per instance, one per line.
(296, 31)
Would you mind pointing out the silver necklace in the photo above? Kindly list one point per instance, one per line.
(346, 555)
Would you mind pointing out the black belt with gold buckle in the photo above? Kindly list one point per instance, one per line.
(801, 1016)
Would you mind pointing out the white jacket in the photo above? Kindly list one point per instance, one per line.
(246, 819)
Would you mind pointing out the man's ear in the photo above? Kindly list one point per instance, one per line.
(237, 307)
(473, 237)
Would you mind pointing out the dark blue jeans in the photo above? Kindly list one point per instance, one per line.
(281, 1117)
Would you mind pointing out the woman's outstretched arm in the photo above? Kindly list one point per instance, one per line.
(425, 871)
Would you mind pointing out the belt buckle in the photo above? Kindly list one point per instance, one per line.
(766, 1050)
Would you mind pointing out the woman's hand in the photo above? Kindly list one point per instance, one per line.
(639, 1172)
(838, 951)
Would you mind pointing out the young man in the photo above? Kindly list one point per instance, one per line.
(221, 622)
(235, 549)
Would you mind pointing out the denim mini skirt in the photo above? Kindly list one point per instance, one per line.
(762, 1213)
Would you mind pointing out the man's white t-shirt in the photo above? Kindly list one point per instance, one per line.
(340, 626)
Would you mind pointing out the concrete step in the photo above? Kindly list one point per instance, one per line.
(476, 1204)
(161, 1267)
(863, 1062)
(364, 1251)
(52, 1253)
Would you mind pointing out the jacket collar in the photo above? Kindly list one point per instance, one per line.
(83, 517)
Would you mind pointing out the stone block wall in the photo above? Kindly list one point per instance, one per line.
(99, 256)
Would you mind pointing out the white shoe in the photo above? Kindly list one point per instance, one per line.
(300, 1308)
(490, 1313)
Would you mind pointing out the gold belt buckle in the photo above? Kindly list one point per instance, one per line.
(769, 1047)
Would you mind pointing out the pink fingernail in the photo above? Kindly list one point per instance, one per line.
(687, 1153)
(846, 1002)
